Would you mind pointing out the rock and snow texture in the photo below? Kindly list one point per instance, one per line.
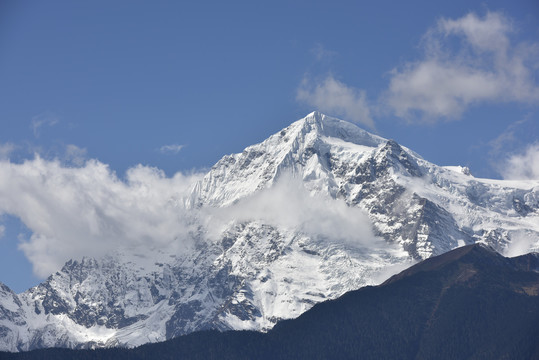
(318, 209)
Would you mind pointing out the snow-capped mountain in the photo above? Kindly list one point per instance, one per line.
(319, 208)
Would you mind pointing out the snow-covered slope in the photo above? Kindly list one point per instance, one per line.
(316, 210)
(424, 207)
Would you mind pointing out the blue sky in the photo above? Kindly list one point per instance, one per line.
(177, 85)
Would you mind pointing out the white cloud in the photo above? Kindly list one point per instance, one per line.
(522, 166)
(88, 211)
(287, 204)
(485, 65)
(75, 155)
(6, 150)
(171, 149)
(2, 231)
(336, 98)
(44, 119)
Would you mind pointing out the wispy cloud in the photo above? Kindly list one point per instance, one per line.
(321, 53)
(289, 205)
(466, 61)
(75, 155)
(507, 139)
(6, 150)
(524, 165)
(171, 149)
(522, 242)
(41, 120)
(336, 98)
(509, 154)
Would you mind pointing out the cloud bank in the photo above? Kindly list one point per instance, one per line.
(88, 211)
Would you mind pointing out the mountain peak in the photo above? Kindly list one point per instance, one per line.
(327, 126)
(303, 148)
(316, 115)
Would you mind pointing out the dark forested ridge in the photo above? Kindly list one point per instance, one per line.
(470, 303)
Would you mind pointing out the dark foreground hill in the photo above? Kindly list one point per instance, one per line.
(470, 303)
